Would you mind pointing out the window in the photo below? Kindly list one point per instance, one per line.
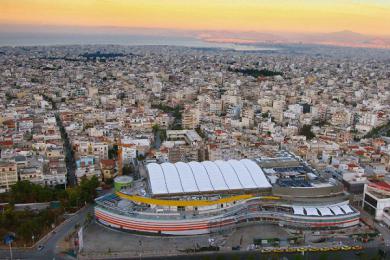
(371, 200)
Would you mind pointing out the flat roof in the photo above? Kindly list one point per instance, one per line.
(207, 176)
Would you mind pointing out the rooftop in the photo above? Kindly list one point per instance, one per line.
(207, 176)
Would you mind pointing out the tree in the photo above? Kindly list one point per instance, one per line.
(27, 192)
(26, 229)
(155, 128)
(306, 131)
(72, 198)
(177, 127)
(141, 157)
(127, 170)
(163, 135)
(257, 73)
(113, 152)
(200, 132)
(88, 189)
(9, 96)
(27, 223)
(109, 181)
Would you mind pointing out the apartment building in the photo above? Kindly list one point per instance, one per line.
(8, 175)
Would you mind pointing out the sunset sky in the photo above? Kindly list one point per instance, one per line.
(303, 16)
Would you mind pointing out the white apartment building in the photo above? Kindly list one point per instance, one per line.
(8, 175)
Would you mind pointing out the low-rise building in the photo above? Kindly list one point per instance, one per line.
(108, 169)
(376, 198)
(8, 175)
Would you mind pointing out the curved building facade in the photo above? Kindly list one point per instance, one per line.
(254, 210)
(199, 198)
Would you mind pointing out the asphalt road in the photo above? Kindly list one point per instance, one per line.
(69, 158)
(50, 250)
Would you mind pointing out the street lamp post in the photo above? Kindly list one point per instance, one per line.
(10, 250)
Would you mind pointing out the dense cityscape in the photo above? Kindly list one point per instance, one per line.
(269, 151)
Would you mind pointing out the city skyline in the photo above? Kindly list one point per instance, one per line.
(250, 21)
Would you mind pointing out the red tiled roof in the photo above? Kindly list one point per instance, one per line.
(107, 162)
(380, 184)
(380, 114)
(359, 152)
(6, 143)
(219, 132)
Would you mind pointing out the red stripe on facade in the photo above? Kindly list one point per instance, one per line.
(188, 226)
(139, 226)
(148, 222)
(150, 227)
(141, 223)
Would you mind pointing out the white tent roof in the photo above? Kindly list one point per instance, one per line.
(168, 178)
(325, 211)
(187, 178)
(257, 173)
(336, 210)
(229, 175)
(330, 210)
(171, 178)
(157, 179)
(215, 175)
(298, 210)
(311, 211)
(347, 209)
(201, 177)
(243, 174)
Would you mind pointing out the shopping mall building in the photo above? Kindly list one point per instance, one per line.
(205, 197)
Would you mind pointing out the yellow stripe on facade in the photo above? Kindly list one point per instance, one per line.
(184, 203)
(269, 198)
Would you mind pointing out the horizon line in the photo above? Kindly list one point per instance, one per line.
(5, 27)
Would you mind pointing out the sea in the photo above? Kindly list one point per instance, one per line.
(48, 39)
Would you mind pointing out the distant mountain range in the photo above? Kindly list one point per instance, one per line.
(342, 38)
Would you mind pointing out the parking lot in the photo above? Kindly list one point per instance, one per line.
(100, 241)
